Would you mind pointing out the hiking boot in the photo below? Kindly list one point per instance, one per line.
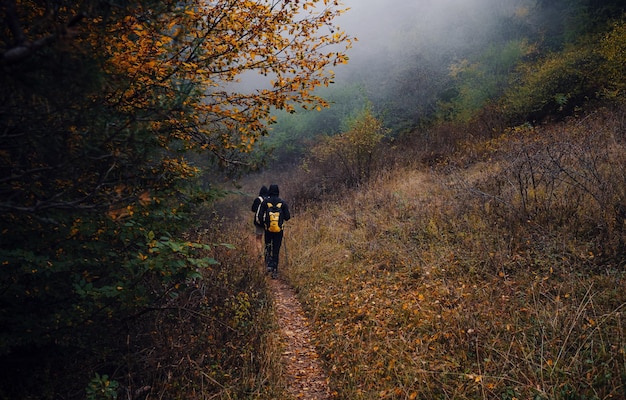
(274, 273)
(271, 266)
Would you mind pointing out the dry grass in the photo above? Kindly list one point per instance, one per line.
(489, 278)
(218, 340)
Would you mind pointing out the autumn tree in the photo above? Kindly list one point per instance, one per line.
(352, 157)
(101, 104)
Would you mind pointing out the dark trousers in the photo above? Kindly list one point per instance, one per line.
(273, 241)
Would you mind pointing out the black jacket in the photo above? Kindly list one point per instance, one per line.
(274, 198)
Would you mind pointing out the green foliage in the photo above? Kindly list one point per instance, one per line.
(561, 22)
(293, 133)
(405, 93)
(554, 85)
(68, 278)
(613, 49)
(549, 65)
(480, 82)
(102, 388)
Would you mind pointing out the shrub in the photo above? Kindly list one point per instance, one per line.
(564, 180)
(354, 157)
(613, 49)
(556, 85)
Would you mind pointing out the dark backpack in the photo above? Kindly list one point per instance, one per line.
(274, 217)
(257, 213)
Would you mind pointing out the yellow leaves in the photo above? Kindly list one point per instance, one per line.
(190, 65)
(180, 166)
(613, 48)
(474, 378)
(174, 70)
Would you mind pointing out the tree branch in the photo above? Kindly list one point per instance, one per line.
(24, 48)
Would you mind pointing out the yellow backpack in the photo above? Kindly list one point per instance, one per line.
(274, 217)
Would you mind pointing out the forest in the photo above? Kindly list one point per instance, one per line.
(458, 194)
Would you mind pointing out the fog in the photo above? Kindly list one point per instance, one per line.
(394, 32)
(390, 32)
(405, 48)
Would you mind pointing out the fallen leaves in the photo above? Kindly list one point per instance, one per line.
(305, 377)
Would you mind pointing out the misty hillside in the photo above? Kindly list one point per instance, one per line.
(494, 272)
(491, 64)
(501, 277)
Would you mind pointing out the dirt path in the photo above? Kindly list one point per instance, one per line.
(305, 377)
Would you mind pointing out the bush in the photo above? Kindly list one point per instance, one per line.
(564, 180)
(351, 158)
(613, 49)
(553, 86)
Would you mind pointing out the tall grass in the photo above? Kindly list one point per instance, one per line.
(218, 340)
(497, 274)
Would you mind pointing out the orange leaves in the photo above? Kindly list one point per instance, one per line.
(166, 75)
(145, 198)
(210, 46)
(120, 212)
(179, 167)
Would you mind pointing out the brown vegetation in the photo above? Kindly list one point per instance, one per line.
(497, 272)
(217, 339)
(493, 270)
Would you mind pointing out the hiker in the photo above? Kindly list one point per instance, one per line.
(259, 229)
(275, 211)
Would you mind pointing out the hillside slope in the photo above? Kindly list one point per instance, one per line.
(497, 274)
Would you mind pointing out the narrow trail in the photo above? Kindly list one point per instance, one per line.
(305, 377)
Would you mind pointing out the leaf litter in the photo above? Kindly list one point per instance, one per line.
(305, 376)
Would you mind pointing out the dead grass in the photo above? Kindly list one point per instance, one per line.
(219, 339)
(461, 282)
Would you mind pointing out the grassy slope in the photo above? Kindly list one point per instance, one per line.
(422, 286)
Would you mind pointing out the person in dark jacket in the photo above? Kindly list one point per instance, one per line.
(259, 229)
(273, 240)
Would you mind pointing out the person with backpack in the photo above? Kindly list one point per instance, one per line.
(275, 212)
(259, 229)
